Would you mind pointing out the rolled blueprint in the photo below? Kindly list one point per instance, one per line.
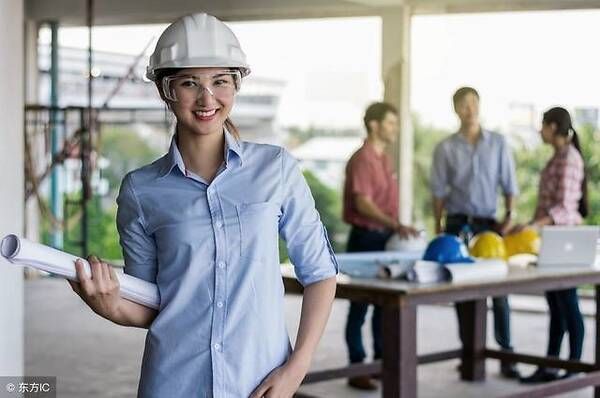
(432, 272)
(395, 270)
(480, 269)
(427, 272)
(21, 251)
(379, 264)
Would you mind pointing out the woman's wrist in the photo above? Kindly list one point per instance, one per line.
(300, 361)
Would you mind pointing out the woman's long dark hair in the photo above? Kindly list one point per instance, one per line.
(564, 127)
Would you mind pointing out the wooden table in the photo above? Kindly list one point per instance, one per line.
(399, 301)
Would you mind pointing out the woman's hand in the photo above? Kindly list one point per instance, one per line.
(101, 291)
(283, 382)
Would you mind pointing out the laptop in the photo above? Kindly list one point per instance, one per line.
(574, 246)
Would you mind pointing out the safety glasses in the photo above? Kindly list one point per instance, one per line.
(190, 87)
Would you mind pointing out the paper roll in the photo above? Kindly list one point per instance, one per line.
(480, 269)
(427, 272)
(21, 251)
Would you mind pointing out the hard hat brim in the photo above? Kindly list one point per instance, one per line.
(199, 63)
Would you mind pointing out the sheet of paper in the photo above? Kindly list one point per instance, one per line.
(21, 251)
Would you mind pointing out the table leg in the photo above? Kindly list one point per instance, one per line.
(597, 342)
(399, 373)
(473, 359)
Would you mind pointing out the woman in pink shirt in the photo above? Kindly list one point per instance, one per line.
(562, 200)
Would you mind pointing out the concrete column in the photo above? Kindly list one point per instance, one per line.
(396, 29)
(11, 175)
(32, 211)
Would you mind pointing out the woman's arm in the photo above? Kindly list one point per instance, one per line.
(316, 307)
(101, 293)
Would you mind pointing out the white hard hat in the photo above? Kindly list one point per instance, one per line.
(396, 243)
(197, 41)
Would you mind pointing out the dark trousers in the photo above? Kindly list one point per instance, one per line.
(565, 316)
(364, 240)
(501, 309)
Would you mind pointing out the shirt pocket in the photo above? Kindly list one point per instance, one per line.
(258, 230)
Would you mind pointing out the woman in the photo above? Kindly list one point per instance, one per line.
(203, 223)
(562, 200)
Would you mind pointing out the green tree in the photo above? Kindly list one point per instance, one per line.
(126, 151)
(425, 140)
(102, 230)
(329, 205)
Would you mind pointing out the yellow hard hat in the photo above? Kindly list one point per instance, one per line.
(487, 245)
(525, 242)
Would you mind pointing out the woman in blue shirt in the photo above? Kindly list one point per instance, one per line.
(203, 223)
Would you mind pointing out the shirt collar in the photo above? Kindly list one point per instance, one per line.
(485, 135)
(371, 149)
(173, 158)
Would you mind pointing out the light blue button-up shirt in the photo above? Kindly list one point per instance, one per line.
(212, 249)
(467, 177)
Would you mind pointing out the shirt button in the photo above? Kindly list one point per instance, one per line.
(220, 304)
(219, 224)
(218, 347)
(221, 265)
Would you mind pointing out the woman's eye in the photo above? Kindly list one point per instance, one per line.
(222, 82)
(188, 83)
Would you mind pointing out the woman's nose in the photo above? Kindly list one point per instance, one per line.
(205, 96)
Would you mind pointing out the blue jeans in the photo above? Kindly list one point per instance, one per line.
(501, 309)
(565, 316)
(363, 240)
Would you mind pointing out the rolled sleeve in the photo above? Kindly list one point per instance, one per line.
(139, 248)
(439, 173)
(301, 228)
(508, 174)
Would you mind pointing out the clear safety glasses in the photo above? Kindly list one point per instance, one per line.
(190, 87)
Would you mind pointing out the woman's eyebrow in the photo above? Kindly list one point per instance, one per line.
(216, 75)
(222, 74)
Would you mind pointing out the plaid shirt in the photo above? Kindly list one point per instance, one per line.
(560, 188)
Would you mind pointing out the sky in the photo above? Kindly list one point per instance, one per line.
(331, 67)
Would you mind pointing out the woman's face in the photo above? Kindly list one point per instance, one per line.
(547, 132)
(205, 97)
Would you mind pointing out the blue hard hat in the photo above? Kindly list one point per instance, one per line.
(447, 249)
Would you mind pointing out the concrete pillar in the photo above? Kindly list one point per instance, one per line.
(11, 175)
(32, 211)
(395, 64)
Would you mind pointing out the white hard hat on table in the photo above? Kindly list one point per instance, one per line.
(197, 41)
(413, 243)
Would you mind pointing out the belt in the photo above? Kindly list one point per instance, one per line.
(466, 219)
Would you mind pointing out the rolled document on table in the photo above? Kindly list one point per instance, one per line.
(432, 272)
(21, 251)
(427, 272)
(480, 269)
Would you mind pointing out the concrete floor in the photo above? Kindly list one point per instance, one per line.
(92, 357)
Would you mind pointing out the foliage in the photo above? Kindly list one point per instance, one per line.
(102, 231)
(329, 206)
(126, 151)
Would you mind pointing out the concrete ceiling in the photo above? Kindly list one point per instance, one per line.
(121, 12)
